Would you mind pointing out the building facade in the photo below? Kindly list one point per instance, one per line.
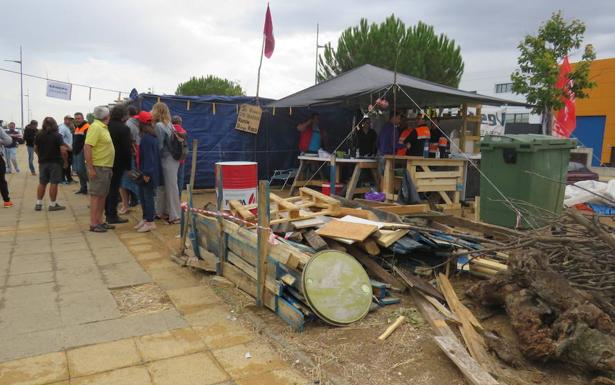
(596, 114)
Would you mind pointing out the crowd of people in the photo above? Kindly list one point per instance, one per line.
(122, 157)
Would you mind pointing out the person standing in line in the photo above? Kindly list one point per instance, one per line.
(66, 130)
(99, 155)
(81, 130)
(128, 188)
(5, 140)
(167, 196)
(11, 149)
(181, 173)
(52, 155)
(149, 164)
(122, 142)
(29, 135)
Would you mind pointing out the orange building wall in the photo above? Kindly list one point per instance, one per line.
(601, 101)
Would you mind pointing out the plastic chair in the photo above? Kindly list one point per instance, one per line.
(284, 175)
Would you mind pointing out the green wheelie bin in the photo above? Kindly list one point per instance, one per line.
(530, 171)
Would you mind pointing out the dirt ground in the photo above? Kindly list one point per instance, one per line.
(355, 355)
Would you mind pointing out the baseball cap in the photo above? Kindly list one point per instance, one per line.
(69, 117)
(144, 116)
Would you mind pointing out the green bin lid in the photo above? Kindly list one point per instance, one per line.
(526, 142)
(337, 287)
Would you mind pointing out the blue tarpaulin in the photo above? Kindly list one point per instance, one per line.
(211, 120)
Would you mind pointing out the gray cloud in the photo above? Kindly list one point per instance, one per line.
(124, 44)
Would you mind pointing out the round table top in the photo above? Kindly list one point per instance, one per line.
(337, 287)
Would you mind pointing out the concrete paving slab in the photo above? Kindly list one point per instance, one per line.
(35, 370)
(168, 344)
(87, 306)
(214, 314)
(30, 343)
(115, 329)
(30, 278)
(79, 279)
(136, 375)
(276, 377)
(102, 357)
(71, 244)
(22, 264)
(72, 254)
(85, 262)
(192, 299)
(112, 256)
(234, 361)
(193, 369)
(147, 256)
(29, 317)
(173, 279)
(25, 295)
(224, 334)
(124, 274)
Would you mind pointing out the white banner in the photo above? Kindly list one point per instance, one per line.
(59, 90)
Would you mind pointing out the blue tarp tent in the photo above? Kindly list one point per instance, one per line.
(211, 120)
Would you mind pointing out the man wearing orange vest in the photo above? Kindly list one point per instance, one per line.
(81, 129)
(415, 142)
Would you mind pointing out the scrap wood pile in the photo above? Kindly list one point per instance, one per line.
(555, 285)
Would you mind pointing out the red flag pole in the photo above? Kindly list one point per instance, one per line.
(258, 78)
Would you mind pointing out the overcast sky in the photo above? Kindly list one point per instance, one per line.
(156, 44)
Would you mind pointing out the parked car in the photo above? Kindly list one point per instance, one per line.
(578, 172)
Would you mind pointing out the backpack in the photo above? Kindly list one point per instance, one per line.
(177, 146)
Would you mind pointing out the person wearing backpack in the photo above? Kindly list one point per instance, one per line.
(167, 195)
(181, 173)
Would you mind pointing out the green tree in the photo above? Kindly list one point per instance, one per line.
(210, 85)
(415, 51)
(539, 60)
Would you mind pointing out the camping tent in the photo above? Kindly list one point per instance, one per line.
(211, 120)
(359, 86)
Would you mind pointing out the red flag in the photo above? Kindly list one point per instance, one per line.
(565, 119)
(268, 32)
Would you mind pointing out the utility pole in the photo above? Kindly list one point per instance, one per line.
(20, 62)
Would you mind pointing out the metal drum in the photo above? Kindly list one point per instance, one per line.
(337, 287)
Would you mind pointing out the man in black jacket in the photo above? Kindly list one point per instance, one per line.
(120, 134)
(29, 135)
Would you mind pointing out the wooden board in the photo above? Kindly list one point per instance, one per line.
(375, 270)
(315, 241)
(369, 246)
(469, 367)
(405, 209)
(365, 214)
(474, 341)
(312, 222)
(347, 230)
(388, 237)
(418, 283)
(237, 207)
(353, 219)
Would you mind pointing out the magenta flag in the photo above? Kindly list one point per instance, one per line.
(268, 32)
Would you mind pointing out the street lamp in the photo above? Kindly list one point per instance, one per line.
(20, 62)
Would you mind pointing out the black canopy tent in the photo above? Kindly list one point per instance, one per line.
(360, 86)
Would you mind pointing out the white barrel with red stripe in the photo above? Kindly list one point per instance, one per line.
(239, 182)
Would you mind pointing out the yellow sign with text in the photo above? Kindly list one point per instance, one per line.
(248, 118)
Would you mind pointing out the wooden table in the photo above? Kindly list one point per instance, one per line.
(302, 179)
(444, 176)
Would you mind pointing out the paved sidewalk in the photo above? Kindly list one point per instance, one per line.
(63, 319)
